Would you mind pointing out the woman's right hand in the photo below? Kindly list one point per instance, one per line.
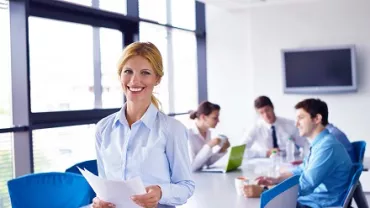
(97, 203)
(214, 142)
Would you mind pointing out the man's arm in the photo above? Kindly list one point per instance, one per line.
(270, 181)
(249, 139)
(318, 168)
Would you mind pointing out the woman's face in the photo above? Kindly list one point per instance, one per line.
(138, 79)
(212, 119)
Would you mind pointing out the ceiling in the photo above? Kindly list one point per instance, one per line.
(244, 4)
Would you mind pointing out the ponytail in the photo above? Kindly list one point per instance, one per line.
(193, 115)
(155, 102)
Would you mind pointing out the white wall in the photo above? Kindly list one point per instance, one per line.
(243, 50)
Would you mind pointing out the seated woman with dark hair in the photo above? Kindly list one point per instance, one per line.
(203, 142)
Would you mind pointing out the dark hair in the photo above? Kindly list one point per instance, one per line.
(262, 101)
(205, 108)
(314, 107)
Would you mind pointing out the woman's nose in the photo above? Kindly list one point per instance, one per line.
(135, 79)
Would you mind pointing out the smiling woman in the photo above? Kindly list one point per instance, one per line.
(140, 69)
(131, 141)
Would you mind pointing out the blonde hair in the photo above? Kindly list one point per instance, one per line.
(148, 51)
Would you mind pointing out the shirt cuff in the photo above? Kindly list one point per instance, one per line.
(166, 194)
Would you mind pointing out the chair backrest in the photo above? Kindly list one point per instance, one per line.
(284, 194)
(45, 190)
(90, 165)
(359, 149)
(357, 169)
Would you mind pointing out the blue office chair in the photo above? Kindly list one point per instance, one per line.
(45, 190)
(353, 185)
(359, 149)
(284, 194)
(90, 165)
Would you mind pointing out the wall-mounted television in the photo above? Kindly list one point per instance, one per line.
(319, 70)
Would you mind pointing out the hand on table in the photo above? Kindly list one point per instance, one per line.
(252, 191)
(267, 181)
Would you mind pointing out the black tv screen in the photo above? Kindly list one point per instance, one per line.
(319, 70)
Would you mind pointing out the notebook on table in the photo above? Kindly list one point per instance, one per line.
(234, 161)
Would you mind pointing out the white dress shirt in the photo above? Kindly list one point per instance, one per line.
(259, 140)
(201, 154)
(154, 148)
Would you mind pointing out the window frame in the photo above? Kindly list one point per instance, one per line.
(24, 121)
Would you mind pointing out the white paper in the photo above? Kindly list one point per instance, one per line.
(115, 192)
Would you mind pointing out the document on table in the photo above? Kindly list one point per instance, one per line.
(116, 192)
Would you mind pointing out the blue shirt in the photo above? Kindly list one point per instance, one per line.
(155, 148)
(342, 138)
(325, 173)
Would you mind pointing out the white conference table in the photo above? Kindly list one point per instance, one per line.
(217, 190)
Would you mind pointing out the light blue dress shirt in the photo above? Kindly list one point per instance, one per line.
(155, 148)
(342, 138)
(325, 173)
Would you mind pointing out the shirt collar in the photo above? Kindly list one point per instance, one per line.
(196, 131)
(270, 125)
(319, 137)
(194, 128)
(329, 126)
(148, 118)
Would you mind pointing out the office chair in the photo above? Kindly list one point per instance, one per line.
(284, 194)
(45, 190)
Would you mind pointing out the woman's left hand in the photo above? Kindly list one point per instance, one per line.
(225, 146)
(150, 199)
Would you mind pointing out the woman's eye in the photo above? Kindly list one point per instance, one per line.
(145, 73)
(127, 71)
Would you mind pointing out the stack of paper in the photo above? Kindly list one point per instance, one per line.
(115, 192)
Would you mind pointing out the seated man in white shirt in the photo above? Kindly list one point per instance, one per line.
(270, 132)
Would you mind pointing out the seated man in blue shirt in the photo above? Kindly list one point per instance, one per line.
(326, 171)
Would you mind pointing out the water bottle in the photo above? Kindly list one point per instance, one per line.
(274, 163)
(290, 150)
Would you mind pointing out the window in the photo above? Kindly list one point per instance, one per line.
(118, 6)
(61, 65)
(6, 167)
(183, 14)
(5, 69)
(57, 149)
(153, 10)
(81, 2)
(158, 36)
(110, 49)
(184, 71)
